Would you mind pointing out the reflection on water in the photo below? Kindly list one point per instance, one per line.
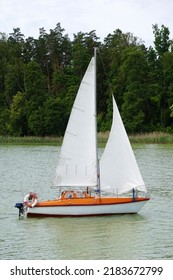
(147, 235)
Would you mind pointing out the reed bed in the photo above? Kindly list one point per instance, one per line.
(32, 140)
(154, 137)
(143, 138)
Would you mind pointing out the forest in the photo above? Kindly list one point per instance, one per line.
(39, 79)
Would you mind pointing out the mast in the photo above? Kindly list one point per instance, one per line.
(95, 90)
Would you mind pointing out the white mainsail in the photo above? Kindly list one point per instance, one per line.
(119, 171)
(77, 165)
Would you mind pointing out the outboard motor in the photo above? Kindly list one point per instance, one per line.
(22, 209)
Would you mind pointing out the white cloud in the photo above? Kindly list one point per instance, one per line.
(104, 16)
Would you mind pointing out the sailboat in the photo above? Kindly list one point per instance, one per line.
(90, 186)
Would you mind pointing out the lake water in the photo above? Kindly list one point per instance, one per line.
(147, 235)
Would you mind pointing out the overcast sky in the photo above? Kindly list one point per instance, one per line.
(104, 16)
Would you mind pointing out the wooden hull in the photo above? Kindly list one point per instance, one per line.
(86, 207)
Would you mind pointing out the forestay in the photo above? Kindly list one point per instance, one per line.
(77, 165)
(119, 171)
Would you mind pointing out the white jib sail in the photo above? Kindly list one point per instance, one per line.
(119, 171)
(77, 165)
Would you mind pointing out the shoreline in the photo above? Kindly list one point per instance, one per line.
(143, 138)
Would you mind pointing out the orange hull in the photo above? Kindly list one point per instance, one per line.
(88, 205)
(88, 201)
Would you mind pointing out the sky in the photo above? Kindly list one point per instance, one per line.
(103, 16)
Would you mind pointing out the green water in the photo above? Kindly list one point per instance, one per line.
(147, 235)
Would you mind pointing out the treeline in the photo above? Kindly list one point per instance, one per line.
(39, 79)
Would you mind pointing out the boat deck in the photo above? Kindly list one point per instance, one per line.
(84, 198)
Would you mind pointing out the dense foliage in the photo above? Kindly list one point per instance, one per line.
(39, 79)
